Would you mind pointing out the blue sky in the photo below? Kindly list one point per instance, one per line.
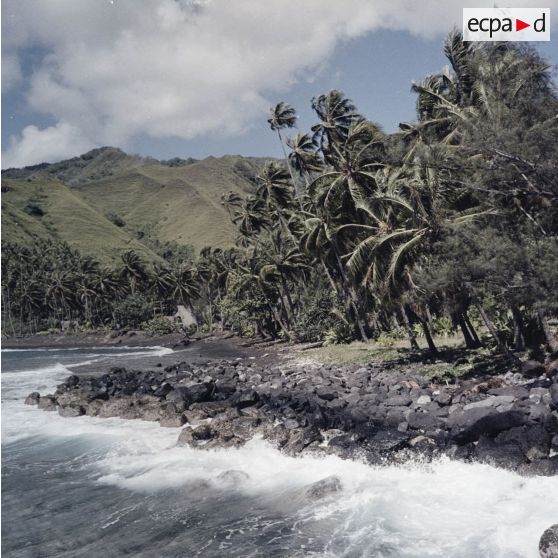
(189, 78)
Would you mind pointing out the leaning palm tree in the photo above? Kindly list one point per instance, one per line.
(184, 287)
(133, 270)
(303, 157)
(284, 116)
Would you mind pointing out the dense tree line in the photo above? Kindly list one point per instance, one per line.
(452, 220)
(50, 283)
(455, 215)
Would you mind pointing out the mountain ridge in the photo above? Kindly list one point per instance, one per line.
(106, 201)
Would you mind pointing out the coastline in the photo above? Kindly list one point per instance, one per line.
(91, 339)
(223, 394)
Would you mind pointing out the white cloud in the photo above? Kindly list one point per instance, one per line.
(11, 72)
(49, 144)
(186, 68)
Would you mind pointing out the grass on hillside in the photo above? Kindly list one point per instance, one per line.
(66, 217)
(181, 204)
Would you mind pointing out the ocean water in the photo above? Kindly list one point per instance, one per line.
(89, 487)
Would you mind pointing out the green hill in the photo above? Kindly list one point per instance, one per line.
(107, 201)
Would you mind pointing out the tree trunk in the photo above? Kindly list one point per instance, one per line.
(469, 341)
(278, 319)
(409, 329)
(471, 329)
(496, 337)
(518, 329)
(295, 184)
(334, 287)
(284, 309)
(350, 296)
(287, 294)
(428, 337)
(551, 340)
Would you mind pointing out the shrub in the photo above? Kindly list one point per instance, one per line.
(132, 311)
(159, 326)
(116, 220)
(34, 209)
(340, 333)
(385, 340)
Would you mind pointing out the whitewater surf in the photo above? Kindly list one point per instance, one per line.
(110, 487)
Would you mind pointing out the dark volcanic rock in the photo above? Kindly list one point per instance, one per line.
(245, 398)
(118, 407)
(71, 411)
(424, 421)
(323, 488)
(469, 425)
(185, 438)
(301, 439)
(232, 478)
(378, 412)
(33, 398)
(508, 455)
(386, 441)
(171, 417)
(532, 369)
(548, 544)
(541, 467)
(47, 403)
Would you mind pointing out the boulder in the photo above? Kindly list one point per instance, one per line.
(72, 381)
(398, 401)
(277, 435)
(202, 392)
(548, 544)
(532, 369)
(541, 468)
(116, 407)
(33, 398)
(179, 395)
(47, 403)
(299, 440)
(202, 432)
(172, 420)
(245, 427)
(232, 478)
(443, 398)
(71, 411)
(424, 421)
(245, 398)
(72, 397)
(386, 441)
(507, 455)
(468, 425)
(147, 411)
(554, 396)
(494, 401)
(185, 438)
(93, 408)
(324, 487)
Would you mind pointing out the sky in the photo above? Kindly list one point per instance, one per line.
(193, 78)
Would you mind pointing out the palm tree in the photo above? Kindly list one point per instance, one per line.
(283, 116)
(133, 270)
(183, 285)
(303, 157)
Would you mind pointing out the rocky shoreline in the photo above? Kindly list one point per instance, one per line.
(370, 412)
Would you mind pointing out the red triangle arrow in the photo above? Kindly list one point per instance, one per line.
(519, 25)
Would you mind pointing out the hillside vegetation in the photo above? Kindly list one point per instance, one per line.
(106, 201)
(449, 225)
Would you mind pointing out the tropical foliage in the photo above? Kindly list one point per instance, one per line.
(451, 221)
